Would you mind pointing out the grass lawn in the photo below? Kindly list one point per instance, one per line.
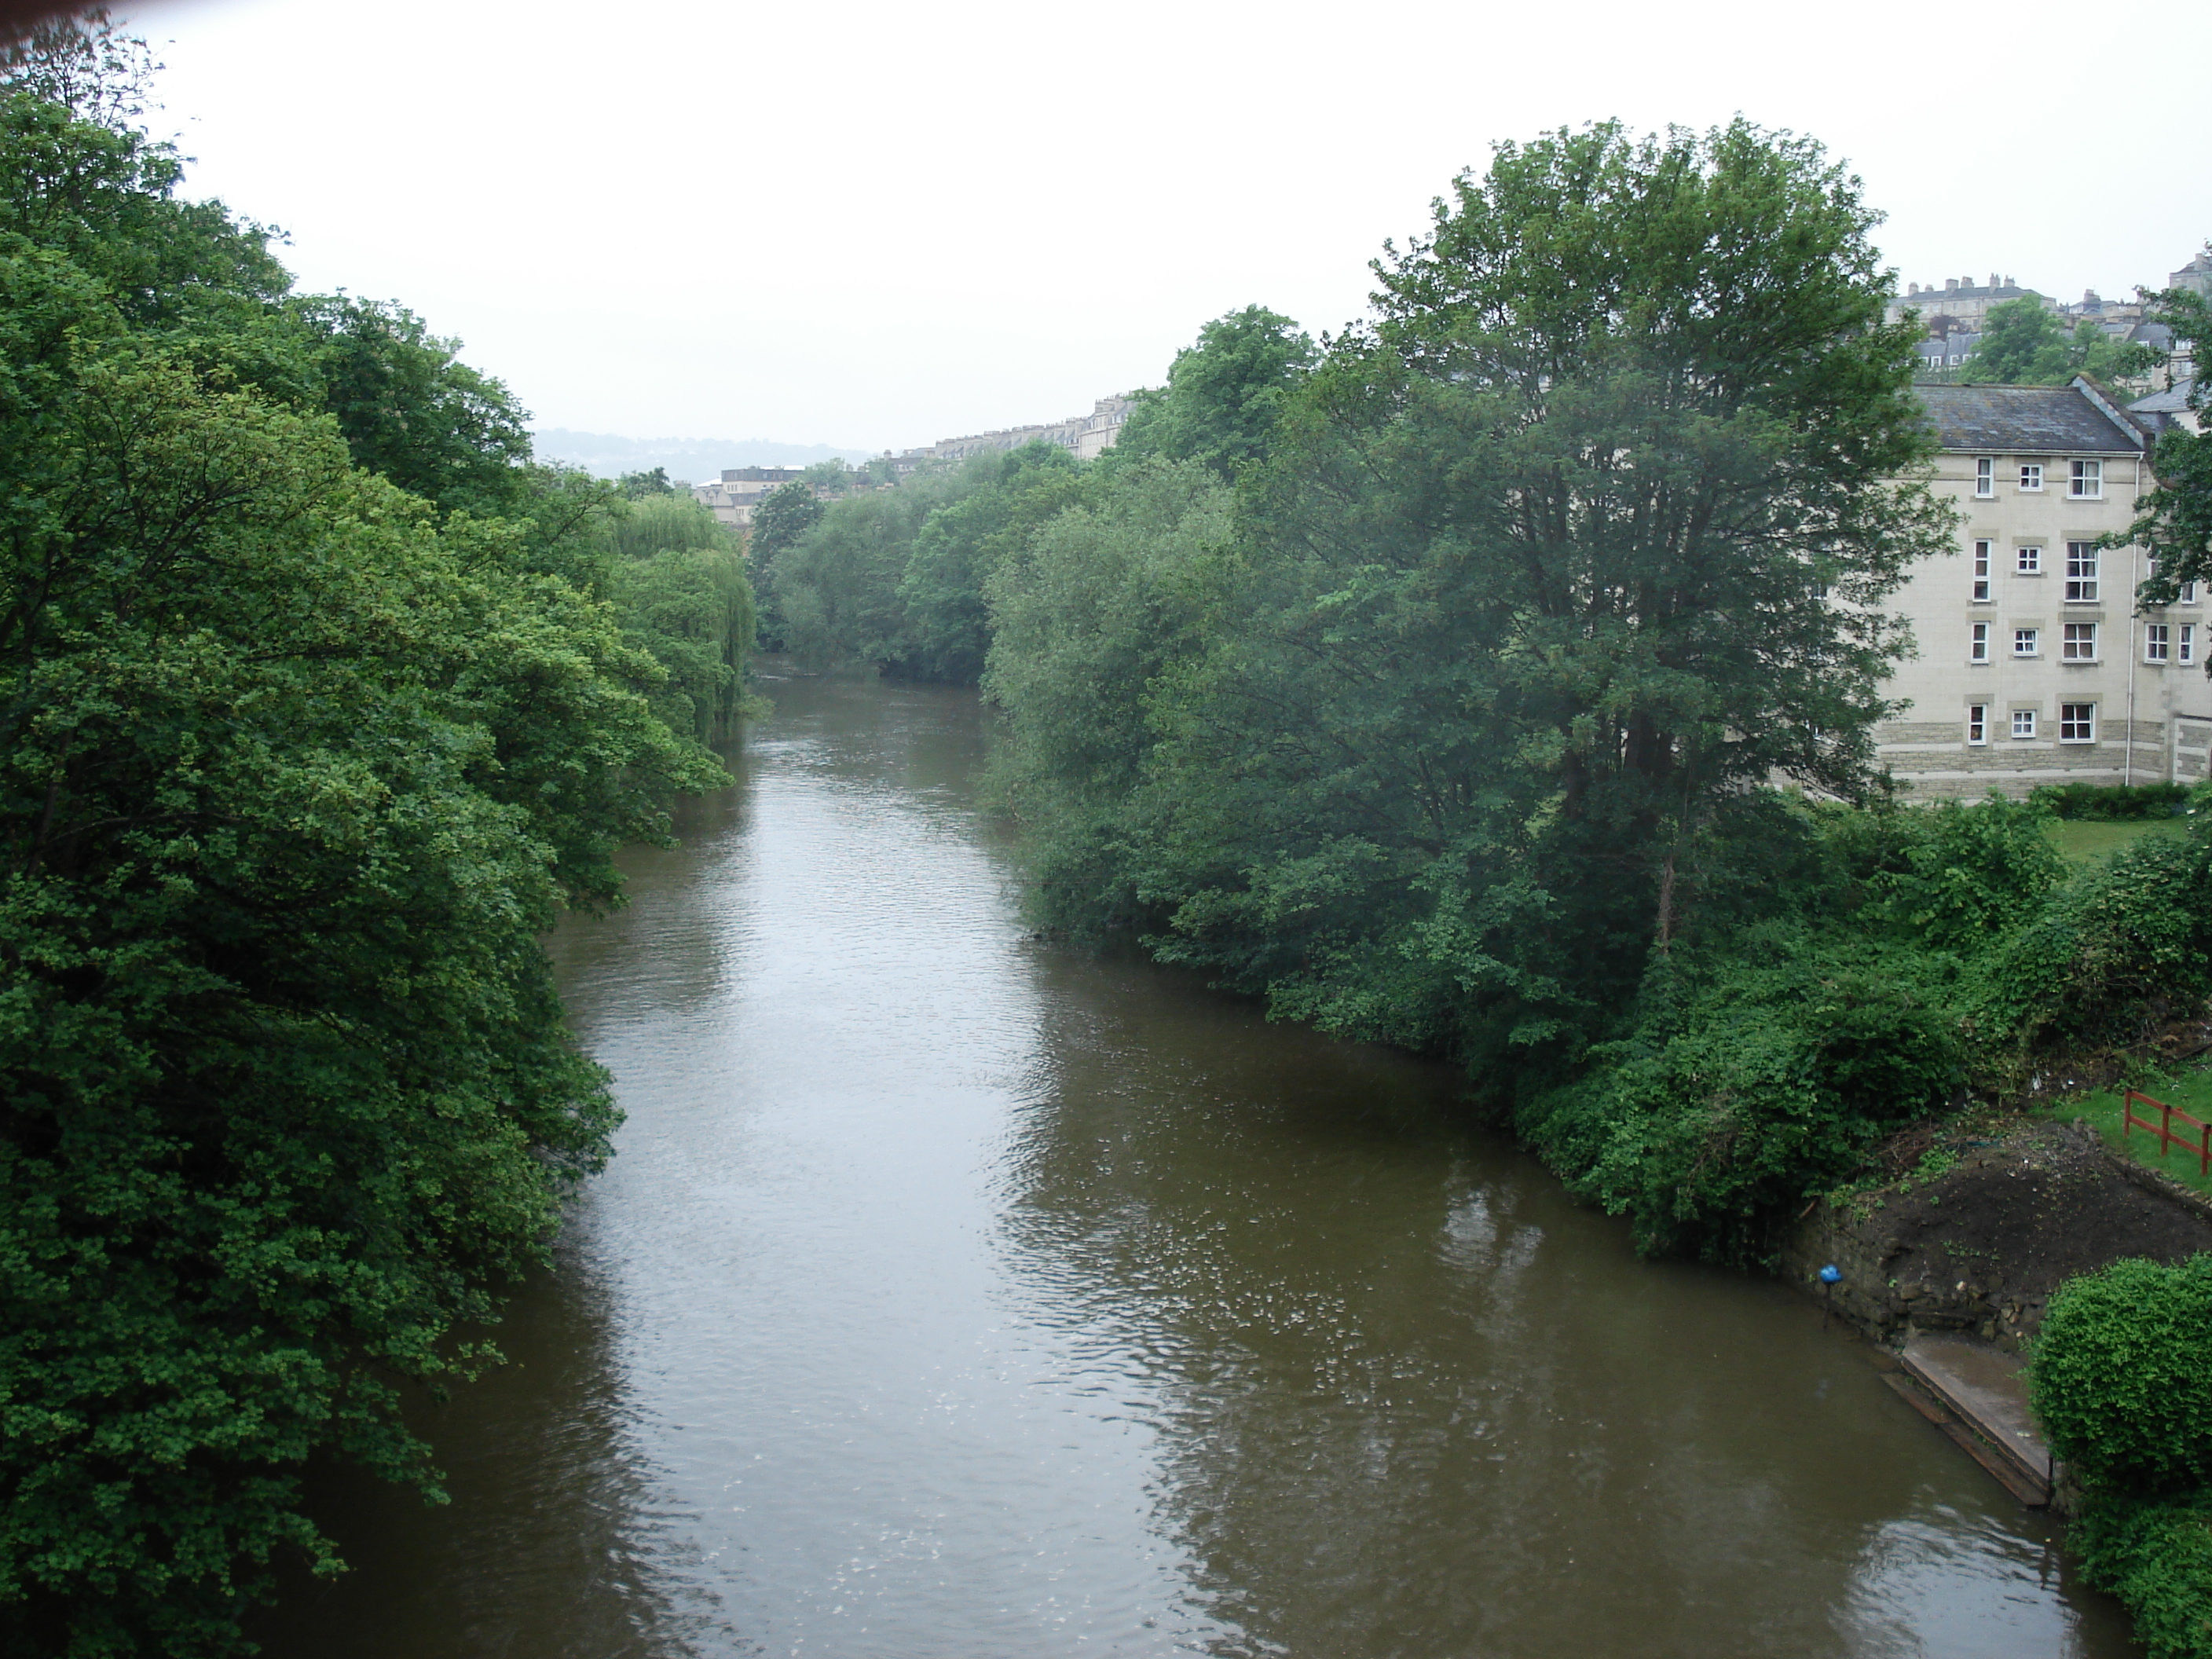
(2191, 1093)
(2084, 842)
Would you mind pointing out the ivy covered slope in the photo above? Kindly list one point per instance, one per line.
(313, 715)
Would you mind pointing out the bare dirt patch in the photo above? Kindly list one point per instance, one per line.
(1980, 1246)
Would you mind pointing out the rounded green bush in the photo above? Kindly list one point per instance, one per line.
(2122, 1377)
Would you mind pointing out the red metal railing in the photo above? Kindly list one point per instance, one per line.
(2164, 1129)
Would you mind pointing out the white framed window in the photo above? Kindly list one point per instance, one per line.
(1978, 644)
(2080, 573)
(2187, 595)
(1978, 722)
(2078, 643)
(2027, 561)
(2031, 476)
(1982, 551)
(2024, 641)
(2023, 722)
(2077, 722)
(2185, 647)
(2086, 483)
(1985, 475)
(2158, 641)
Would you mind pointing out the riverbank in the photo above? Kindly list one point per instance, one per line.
(1971, 1233)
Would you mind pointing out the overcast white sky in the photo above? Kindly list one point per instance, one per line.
(879, 224)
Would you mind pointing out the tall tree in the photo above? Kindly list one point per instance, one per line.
(412, 410)
(994, 504)
(790, 511)
(1583, 537)
(2176, 520)
(295, 768)
(1224, 393)
(2023, 344)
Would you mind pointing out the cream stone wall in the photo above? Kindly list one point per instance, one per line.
(2154, 720)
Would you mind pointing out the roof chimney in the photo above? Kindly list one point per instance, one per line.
(1912, 288)
(2008, 282)
(1950, 283)
(1993, 280)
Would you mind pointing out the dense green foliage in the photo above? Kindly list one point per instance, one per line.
(901, 584)
(1096, 613)
(313, 715)
(995, 504)
(1224, 395)
(1828, 999)
(895, 578)
(1538, 576)
(790, 511)
(2022, 344)
(1456, 724)
(2157, 1558)
(2122, 1384)
(2119, 1380)
(837, 587)
(678, 581)
(2175, 522)
(2112, 803)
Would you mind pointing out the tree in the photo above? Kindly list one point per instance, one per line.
(996, 502)
(1581, 539)
(676, 577)
(79, 182)
(837, 587)
(831, 477)
(2023, 344)
(296, 767)
(1222, 395)
(291, 784)
(1088, 615)
(636, 486)
(412, 410)
(790, 511)
(2176, 520)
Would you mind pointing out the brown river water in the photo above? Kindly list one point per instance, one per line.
(959, 1296)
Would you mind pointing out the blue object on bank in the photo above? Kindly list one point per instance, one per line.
(1829, 1275)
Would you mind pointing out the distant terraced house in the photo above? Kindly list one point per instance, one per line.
(2034, 665)
(1083, 436)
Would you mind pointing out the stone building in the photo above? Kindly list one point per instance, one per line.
(1084, 436)
(2033, 666)
(1961, 304)
(740, 491)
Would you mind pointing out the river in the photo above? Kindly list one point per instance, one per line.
(958, 1295)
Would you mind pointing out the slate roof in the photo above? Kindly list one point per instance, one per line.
(2024, 419)
(2170, 402)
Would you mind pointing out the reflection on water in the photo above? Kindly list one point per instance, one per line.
(954, 1294)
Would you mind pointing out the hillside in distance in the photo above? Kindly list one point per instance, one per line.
(604, 455)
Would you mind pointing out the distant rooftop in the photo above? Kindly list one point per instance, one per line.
(2171, 401)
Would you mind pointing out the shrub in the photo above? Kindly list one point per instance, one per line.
(1773, 1088)
(2123, 1377)
(1971, 872)
(2118, 949)
(2112, 803)
(2157, 1559)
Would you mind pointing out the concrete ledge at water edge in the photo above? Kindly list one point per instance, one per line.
(1977, 1394)
(1979, 1248)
